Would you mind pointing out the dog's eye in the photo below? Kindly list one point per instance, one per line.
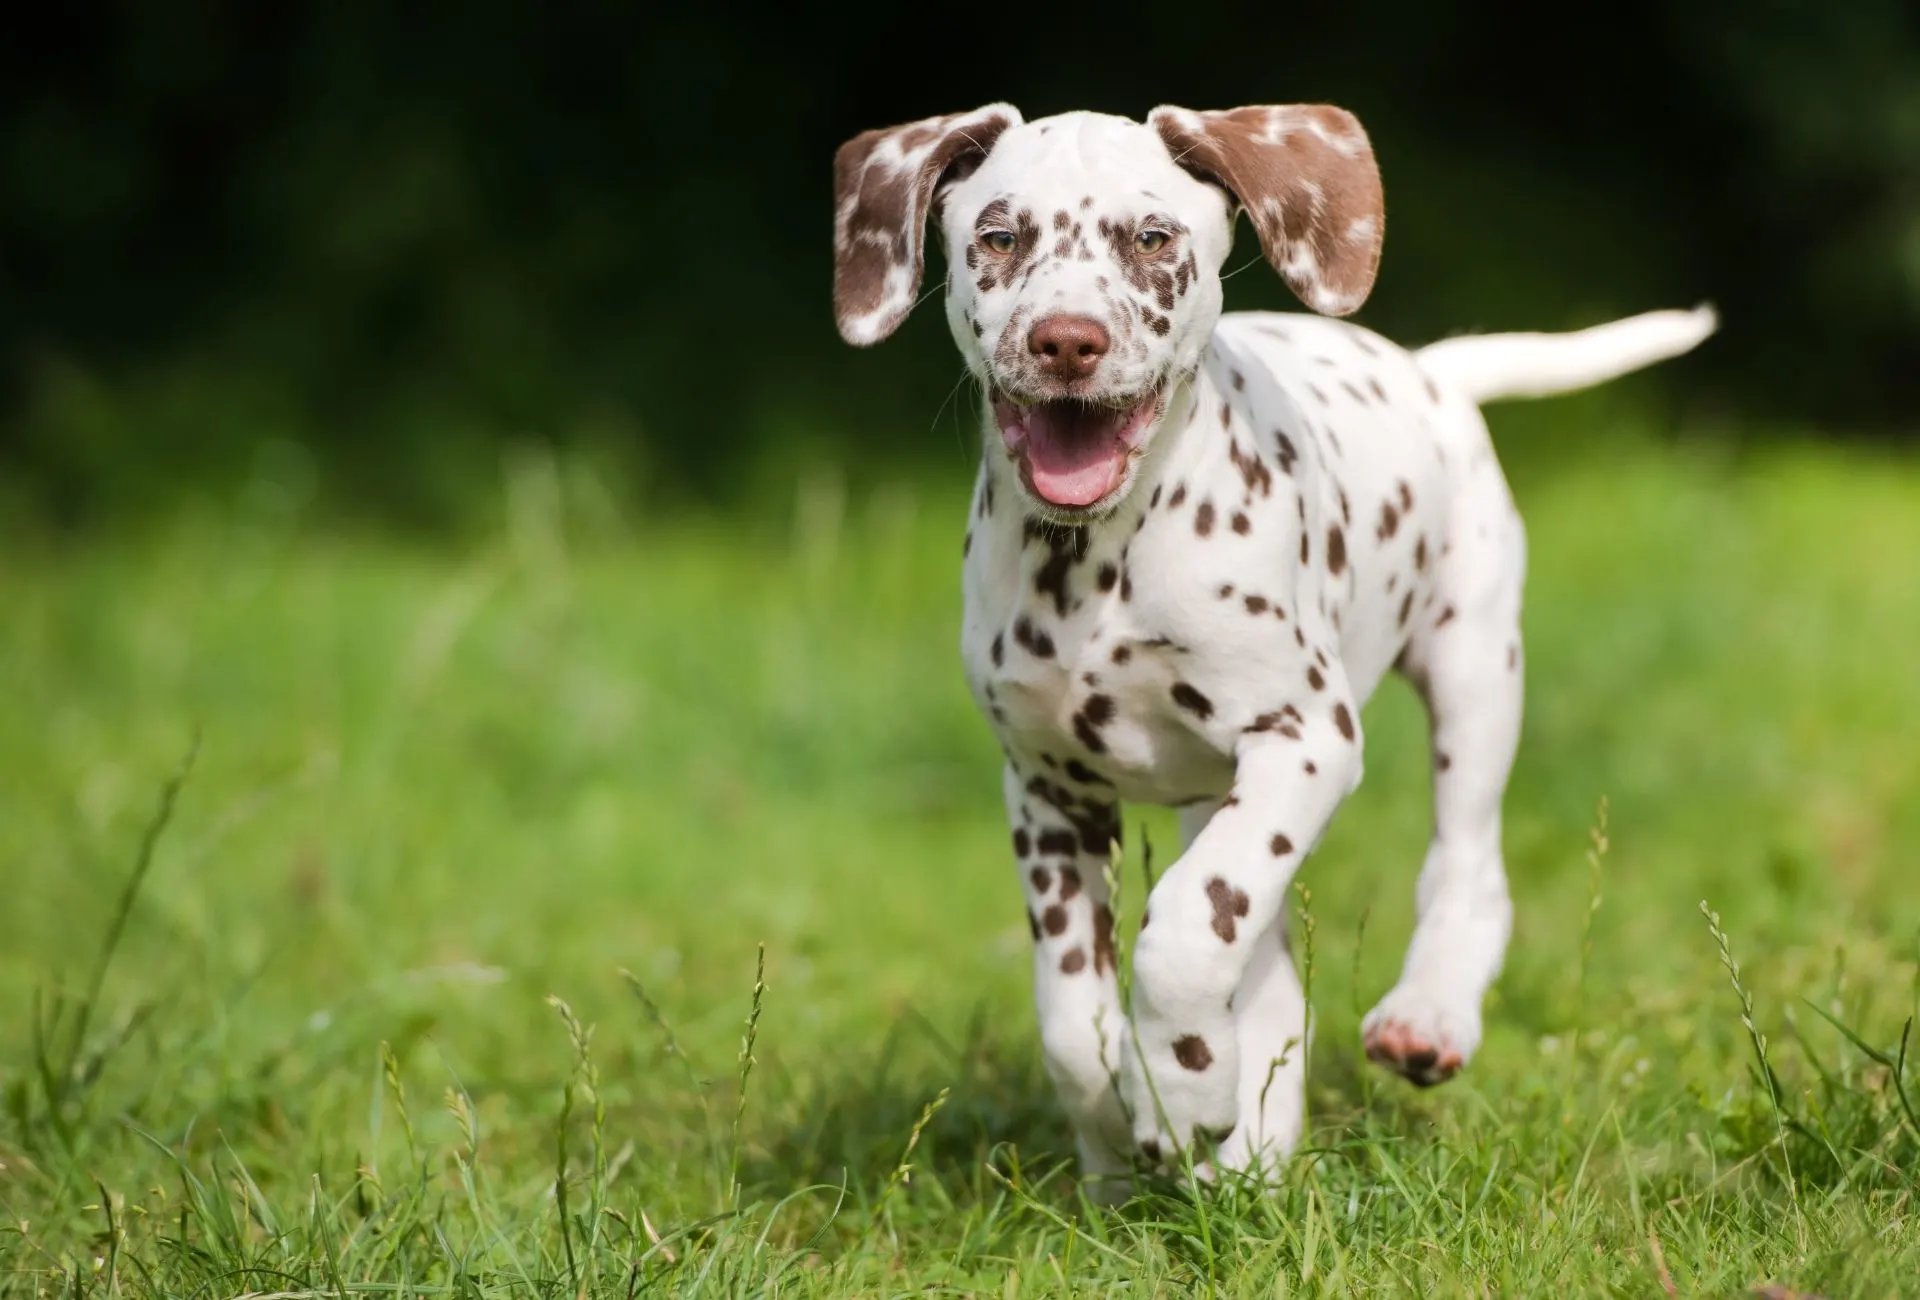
(1151, 241)
(999, 241)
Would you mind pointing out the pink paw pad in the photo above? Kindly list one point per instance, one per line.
(1412, 1056)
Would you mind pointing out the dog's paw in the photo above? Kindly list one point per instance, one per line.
(1185, 1090)
(1421, 1037)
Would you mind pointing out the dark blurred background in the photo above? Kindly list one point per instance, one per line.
(367, 245)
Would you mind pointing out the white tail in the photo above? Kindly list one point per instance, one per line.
(1488, 367)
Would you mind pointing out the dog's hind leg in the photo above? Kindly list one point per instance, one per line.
(1465, 660)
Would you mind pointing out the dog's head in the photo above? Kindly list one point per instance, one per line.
(1083, 258)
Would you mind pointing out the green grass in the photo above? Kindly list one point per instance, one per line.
(367, 1031)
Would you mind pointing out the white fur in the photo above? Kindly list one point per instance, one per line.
(1486, 368)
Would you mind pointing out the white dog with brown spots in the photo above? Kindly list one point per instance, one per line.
(1198, 541)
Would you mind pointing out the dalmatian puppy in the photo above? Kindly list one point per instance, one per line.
(1197, 542)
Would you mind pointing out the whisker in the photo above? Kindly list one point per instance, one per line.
(938, 288)
(1256, 258)
(960, 428)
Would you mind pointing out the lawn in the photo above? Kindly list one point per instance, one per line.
(438, 975)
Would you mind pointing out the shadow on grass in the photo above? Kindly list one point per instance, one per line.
(852, 1124)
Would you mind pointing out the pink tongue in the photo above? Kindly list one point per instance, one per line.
(1075, 454)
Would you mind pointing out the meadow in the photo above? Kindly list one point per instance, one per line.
(617, 903)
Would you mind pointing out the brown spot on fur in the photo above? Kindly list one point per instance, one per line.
(1203, 518)
(998, 650)
(1192, 700)
(1066, 547)
(1036, 642)
(1316, 678)
(1103, 960)
(1229, 904)
(1085, 775)
(1097, 712)
(1336, 550)
(1179, 495)
(1343, 719)
(1256, 604)
(1192, 1052)
(1056, 843)
(1241, 524)
(1108, 576)
(1121, 653)
(1022, 842)
(1054, 920)
(1280, 846)
(1389, 521)
(1253, 471)
(1074, 961)
(1098, 827)
(1284, 720)
(1041, 880)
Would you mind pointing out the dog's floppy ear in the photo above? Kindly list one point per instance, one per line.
(883, 186)
(1305, 173)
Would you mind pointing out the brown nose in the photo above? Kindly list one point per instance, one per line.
(1069, 347)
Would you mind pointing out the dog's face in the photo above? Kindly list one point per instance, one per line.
(1083, 278)
(1084, 256)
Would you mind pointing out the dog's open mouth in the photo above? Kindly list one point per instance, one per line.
(1074, 453)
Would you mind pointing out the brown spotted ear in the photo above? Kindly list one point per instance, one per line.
(883, 183)
(1306, 176)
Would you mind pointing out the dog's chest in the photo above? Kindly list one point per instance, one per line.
(1283, 548)
(1115, 657)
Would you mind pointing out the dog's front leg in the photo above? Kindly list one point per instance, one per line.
(1061, 852)
(1206, 919)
